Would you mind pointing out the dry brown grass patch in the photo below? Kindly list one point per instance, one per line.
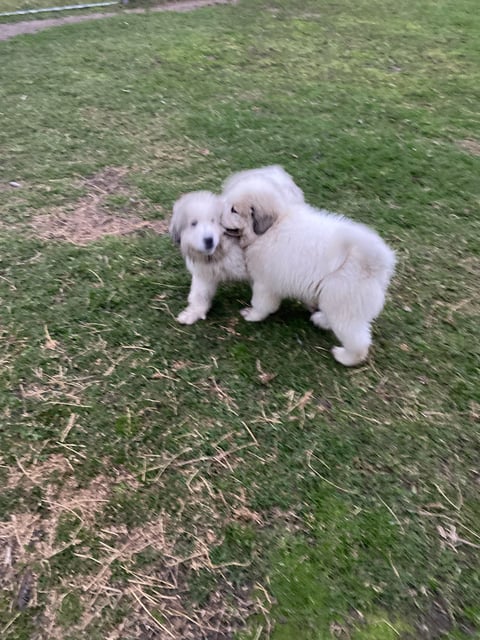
(89, 219)
(470, 145)
(39, 473)
(56, 388)
(153, 596)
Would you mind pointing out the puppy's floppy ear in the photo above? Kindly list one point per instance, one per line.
(174, 234)
(261, 221)
(176, 223)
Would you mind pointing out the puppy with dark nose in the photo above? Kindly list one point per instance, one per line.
(210, 254)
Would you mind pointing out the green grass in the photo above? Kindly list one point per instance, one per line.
(152, 473)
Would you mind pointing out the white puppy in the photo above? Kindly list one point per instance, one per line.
(330, 263)
(211, 256)
(274, 175)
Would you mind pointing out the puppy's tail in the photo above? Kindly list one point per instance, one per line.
(375, 258)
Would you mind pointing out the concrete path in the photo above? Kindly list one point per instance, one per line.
(13, 29)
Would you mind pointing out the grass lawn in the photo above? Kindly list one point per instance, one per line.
(230, 480)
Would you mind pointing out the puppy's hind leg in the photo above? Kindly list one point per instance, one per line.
(349, 304)
(199, 300)
(264, 302)
(356, 341)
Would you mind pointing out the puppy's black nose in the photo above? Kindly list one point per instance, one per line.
(208, 242)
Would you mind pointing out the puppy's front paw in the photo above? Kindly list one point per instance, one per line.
(190, 316)
(251, 315)
(348, 358)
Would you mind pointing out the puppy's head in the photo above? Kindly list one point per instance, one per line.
(195, 224)
(251, 207)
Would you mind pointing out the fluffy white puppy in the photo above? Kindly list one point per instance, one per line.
(210, 254)
(273, 175)
(330, 263)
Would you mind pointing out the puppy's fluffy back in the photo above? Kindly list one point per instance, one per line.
(274, 175)
(305, 244)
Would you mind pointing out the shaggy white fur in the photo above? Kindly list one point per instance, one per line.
(211, 256)
(332, 264)
(274, 175)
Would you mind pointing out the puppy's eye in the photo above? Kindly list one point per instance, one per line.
(252, 211)
(233, 210)
(194, 223)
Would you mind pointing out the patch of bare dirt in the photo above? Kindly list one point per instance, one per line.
(38, 474)
(56, 388)
(33, 26)
(470, 145)
(90, 219)
(437, 622)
